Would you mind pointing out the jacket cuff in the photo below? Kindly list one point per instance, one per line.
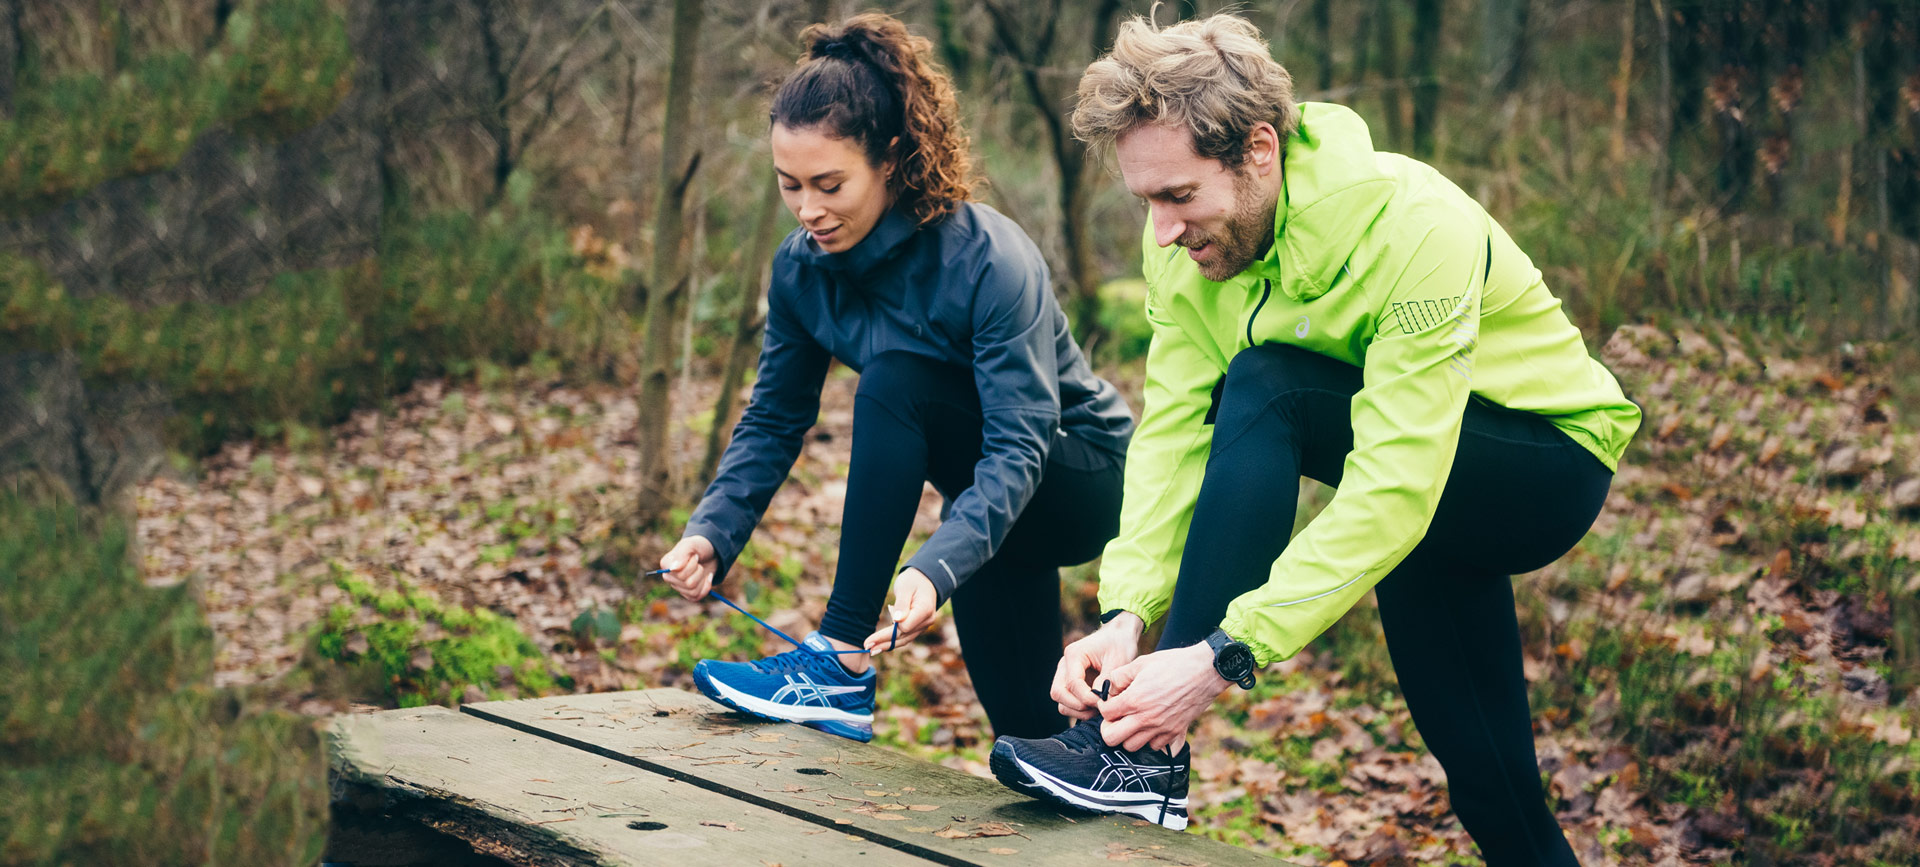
(1149, 610)
(1264, 654)
(725, 547)
(940, 567)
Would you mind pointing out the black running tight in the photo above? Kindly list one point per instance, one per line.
(1520, 494)
(917, 420)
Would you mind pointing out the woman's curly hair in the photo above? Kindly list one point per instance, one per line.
(869, 80)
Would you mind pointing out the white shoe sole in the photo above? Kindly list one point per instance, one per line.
(1100, 802)
(789, 712)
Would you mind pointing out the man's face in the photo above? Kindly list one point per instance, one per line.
(1224, 217)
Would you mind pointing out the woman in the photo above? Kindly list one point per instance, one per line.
(969, 379)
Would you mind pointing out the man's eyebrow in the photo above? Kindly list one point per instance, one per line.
(1171, 190)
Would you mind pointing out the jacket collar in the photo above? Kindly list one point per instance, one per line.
(1334, 189)
(880, 244)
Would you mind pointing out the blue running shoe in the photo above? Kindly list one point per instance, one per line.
(806, 685)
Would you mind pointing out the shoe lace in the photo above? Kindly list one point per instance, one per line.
(790, 639)
(1083, 734)
(792, 660)
(1086, 733)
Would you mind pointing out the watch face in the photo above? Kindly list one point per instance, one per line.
(1235, 662)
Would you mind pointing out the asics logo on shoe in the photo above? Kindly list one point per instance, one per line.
(802, 689)
(1123, 774)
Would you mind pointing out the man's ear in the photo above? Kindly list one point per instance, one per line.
(1263, 148)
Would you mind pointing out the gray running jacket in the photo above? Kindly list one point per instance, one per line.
(970, 290)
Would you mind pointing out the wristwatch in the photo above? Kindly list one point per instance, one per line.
(1233, 660)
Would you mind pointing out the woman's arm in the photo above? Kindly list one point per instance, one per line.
(1016, 371)
(785, 403)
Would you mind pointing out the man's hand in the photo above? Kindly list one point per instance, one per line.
(1108, 648)
(690, 567)
(914, 604)
(1157, 697)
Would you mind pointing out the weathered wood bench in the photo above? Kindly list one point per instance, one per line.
(664, 776)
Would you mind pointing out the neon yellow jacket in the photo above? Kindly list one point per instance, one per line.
(1377, 261)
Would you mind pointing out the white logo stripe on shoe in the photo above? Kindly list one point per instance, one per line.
(790, 712)
(1147, 806)
(802, 688)
(1122, 773)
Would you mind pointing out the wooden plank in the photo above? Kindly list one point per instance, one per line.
(936, 812)
(534, 801)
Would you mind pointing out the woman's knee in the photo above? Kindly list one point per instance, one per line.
(895, 376)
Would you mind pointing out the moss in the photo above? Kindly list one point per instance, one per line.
(282, 66)
(472, 646)
(443, 289)
(114, 749)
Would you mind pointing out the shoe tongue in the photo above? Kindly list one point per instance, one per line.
(817, 642)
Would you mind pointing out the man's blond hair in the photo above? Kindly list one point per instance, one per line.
(1213, 75)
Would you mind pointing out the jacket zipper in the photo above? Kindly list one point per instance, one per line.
(1256, 310)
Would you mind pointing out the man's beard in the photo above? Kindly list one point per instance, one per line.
(1244, 238)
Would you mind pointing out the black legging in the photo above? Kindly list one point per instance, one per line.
(1520, 494)
(918, 420)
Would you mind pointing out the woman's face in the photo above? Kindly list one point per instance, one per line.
(829, 186)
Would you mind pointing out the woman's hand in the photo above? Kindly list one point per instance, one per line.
(1156, 698)
(914, 604)
(690, 566)
(1109, 647)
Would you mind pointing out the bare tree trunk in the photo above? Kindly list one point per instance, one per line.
(667, 283)
(1662, 146)
(1035, 57)
(13, 52)
(747, 325)
(1426, 82)
(953, 44)
(1362, 41)
(1386, 28)
(1503, 46)
(499, 86)
(1323, 43)
(1622, 86)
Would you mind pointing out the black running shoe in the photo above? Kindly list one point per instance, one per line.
(1078, 769)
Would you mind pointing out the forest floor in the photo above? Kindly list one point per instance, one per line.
(1713, 668)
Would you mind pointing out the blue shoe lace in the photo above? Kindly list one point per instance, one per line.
(790, 639)
(795, 660)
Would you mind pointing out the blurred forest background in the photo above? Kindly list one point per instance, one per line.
(358, 351)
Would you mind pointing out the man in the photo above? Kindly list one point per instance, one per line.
(1321, 309)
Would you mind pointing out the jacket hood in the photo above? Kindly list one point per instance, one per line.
(1334, 190)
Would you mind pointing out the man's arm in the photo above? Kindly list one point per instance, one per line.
(1406, 426)
(1166, 462)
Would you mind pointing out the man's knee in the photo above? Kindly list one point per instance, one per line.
(1272, 368)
